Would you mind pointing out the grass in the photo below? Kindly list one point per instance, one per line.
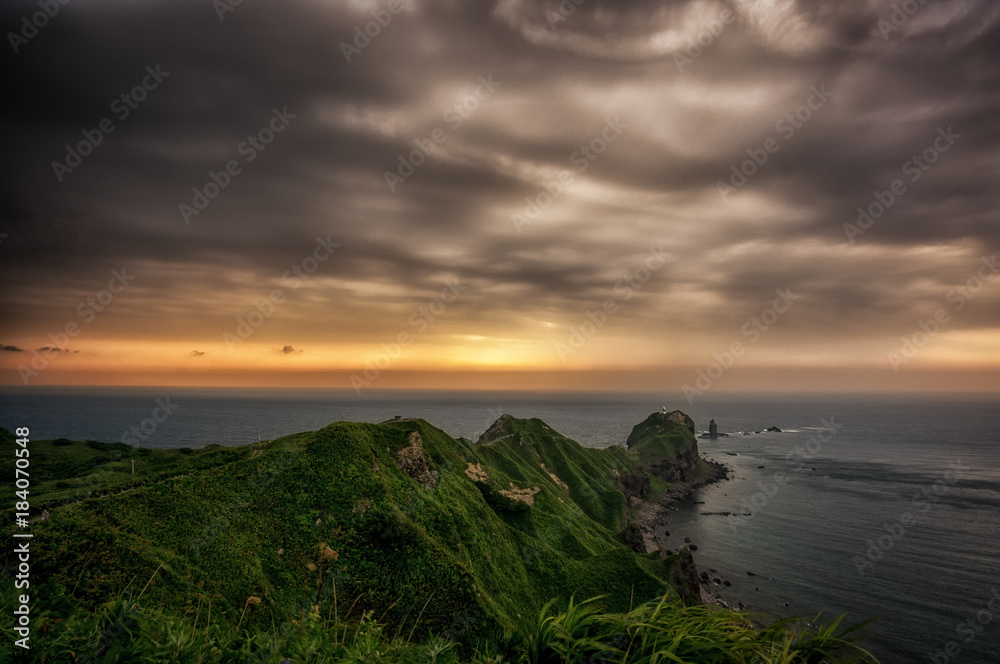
(321, 547)
(664, 631)
(128, 630)
(65, 471)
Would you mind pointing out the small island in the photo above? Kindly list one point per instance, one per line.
(713, 432)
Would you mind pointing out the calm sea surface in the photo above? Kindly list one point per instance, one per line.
(876, 507)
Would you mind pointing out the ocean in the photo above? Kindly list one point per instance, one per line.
(873, 506)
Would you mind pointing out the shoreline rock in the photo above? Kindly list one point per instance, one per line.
(653, 513)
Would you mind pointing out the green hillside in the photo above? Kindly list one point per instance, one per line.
(225, 524)
(423, 534)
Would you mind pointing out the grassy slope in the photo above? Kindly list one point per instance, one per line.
(223, 524)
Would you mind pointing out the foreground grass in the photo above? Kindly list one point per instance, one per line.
(127, 630)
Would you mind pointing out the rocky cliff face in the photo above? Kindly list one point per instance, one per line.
(411, 460)
(665, 444)
(665, 450)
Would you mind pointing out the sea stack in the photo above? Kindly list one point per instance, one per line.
(713, 430)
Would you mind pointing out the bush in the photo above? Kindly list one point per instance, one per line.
(62, 442)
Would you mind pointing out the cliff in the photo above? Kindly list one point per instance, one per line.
(665, 443)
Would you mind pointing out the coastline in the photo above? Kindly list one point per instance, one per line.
(652, 514)
(652, 520)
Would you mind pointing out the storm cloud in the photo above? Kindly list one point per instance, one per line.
(534, 152)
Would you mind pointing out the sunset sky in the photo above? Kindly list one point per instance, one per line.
(592, 194)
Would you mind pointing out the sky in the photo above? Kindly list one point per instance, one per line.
(683, 196)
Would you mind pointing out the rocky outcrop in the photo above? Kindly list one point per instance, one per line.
(666, 445)
(412, 461)
(685, 579)
(499, 429)
(652, 515)
(633, 538)
(679, 418)
(635, 485)
(682, 468)
(525, 495)
(475, 472)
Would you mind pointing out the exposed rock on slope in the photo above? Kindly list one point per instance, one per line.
(412, 461)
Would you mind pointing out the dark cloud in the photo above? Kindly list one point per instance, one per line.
(557, 78)
(10, 349)
(196, 353)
